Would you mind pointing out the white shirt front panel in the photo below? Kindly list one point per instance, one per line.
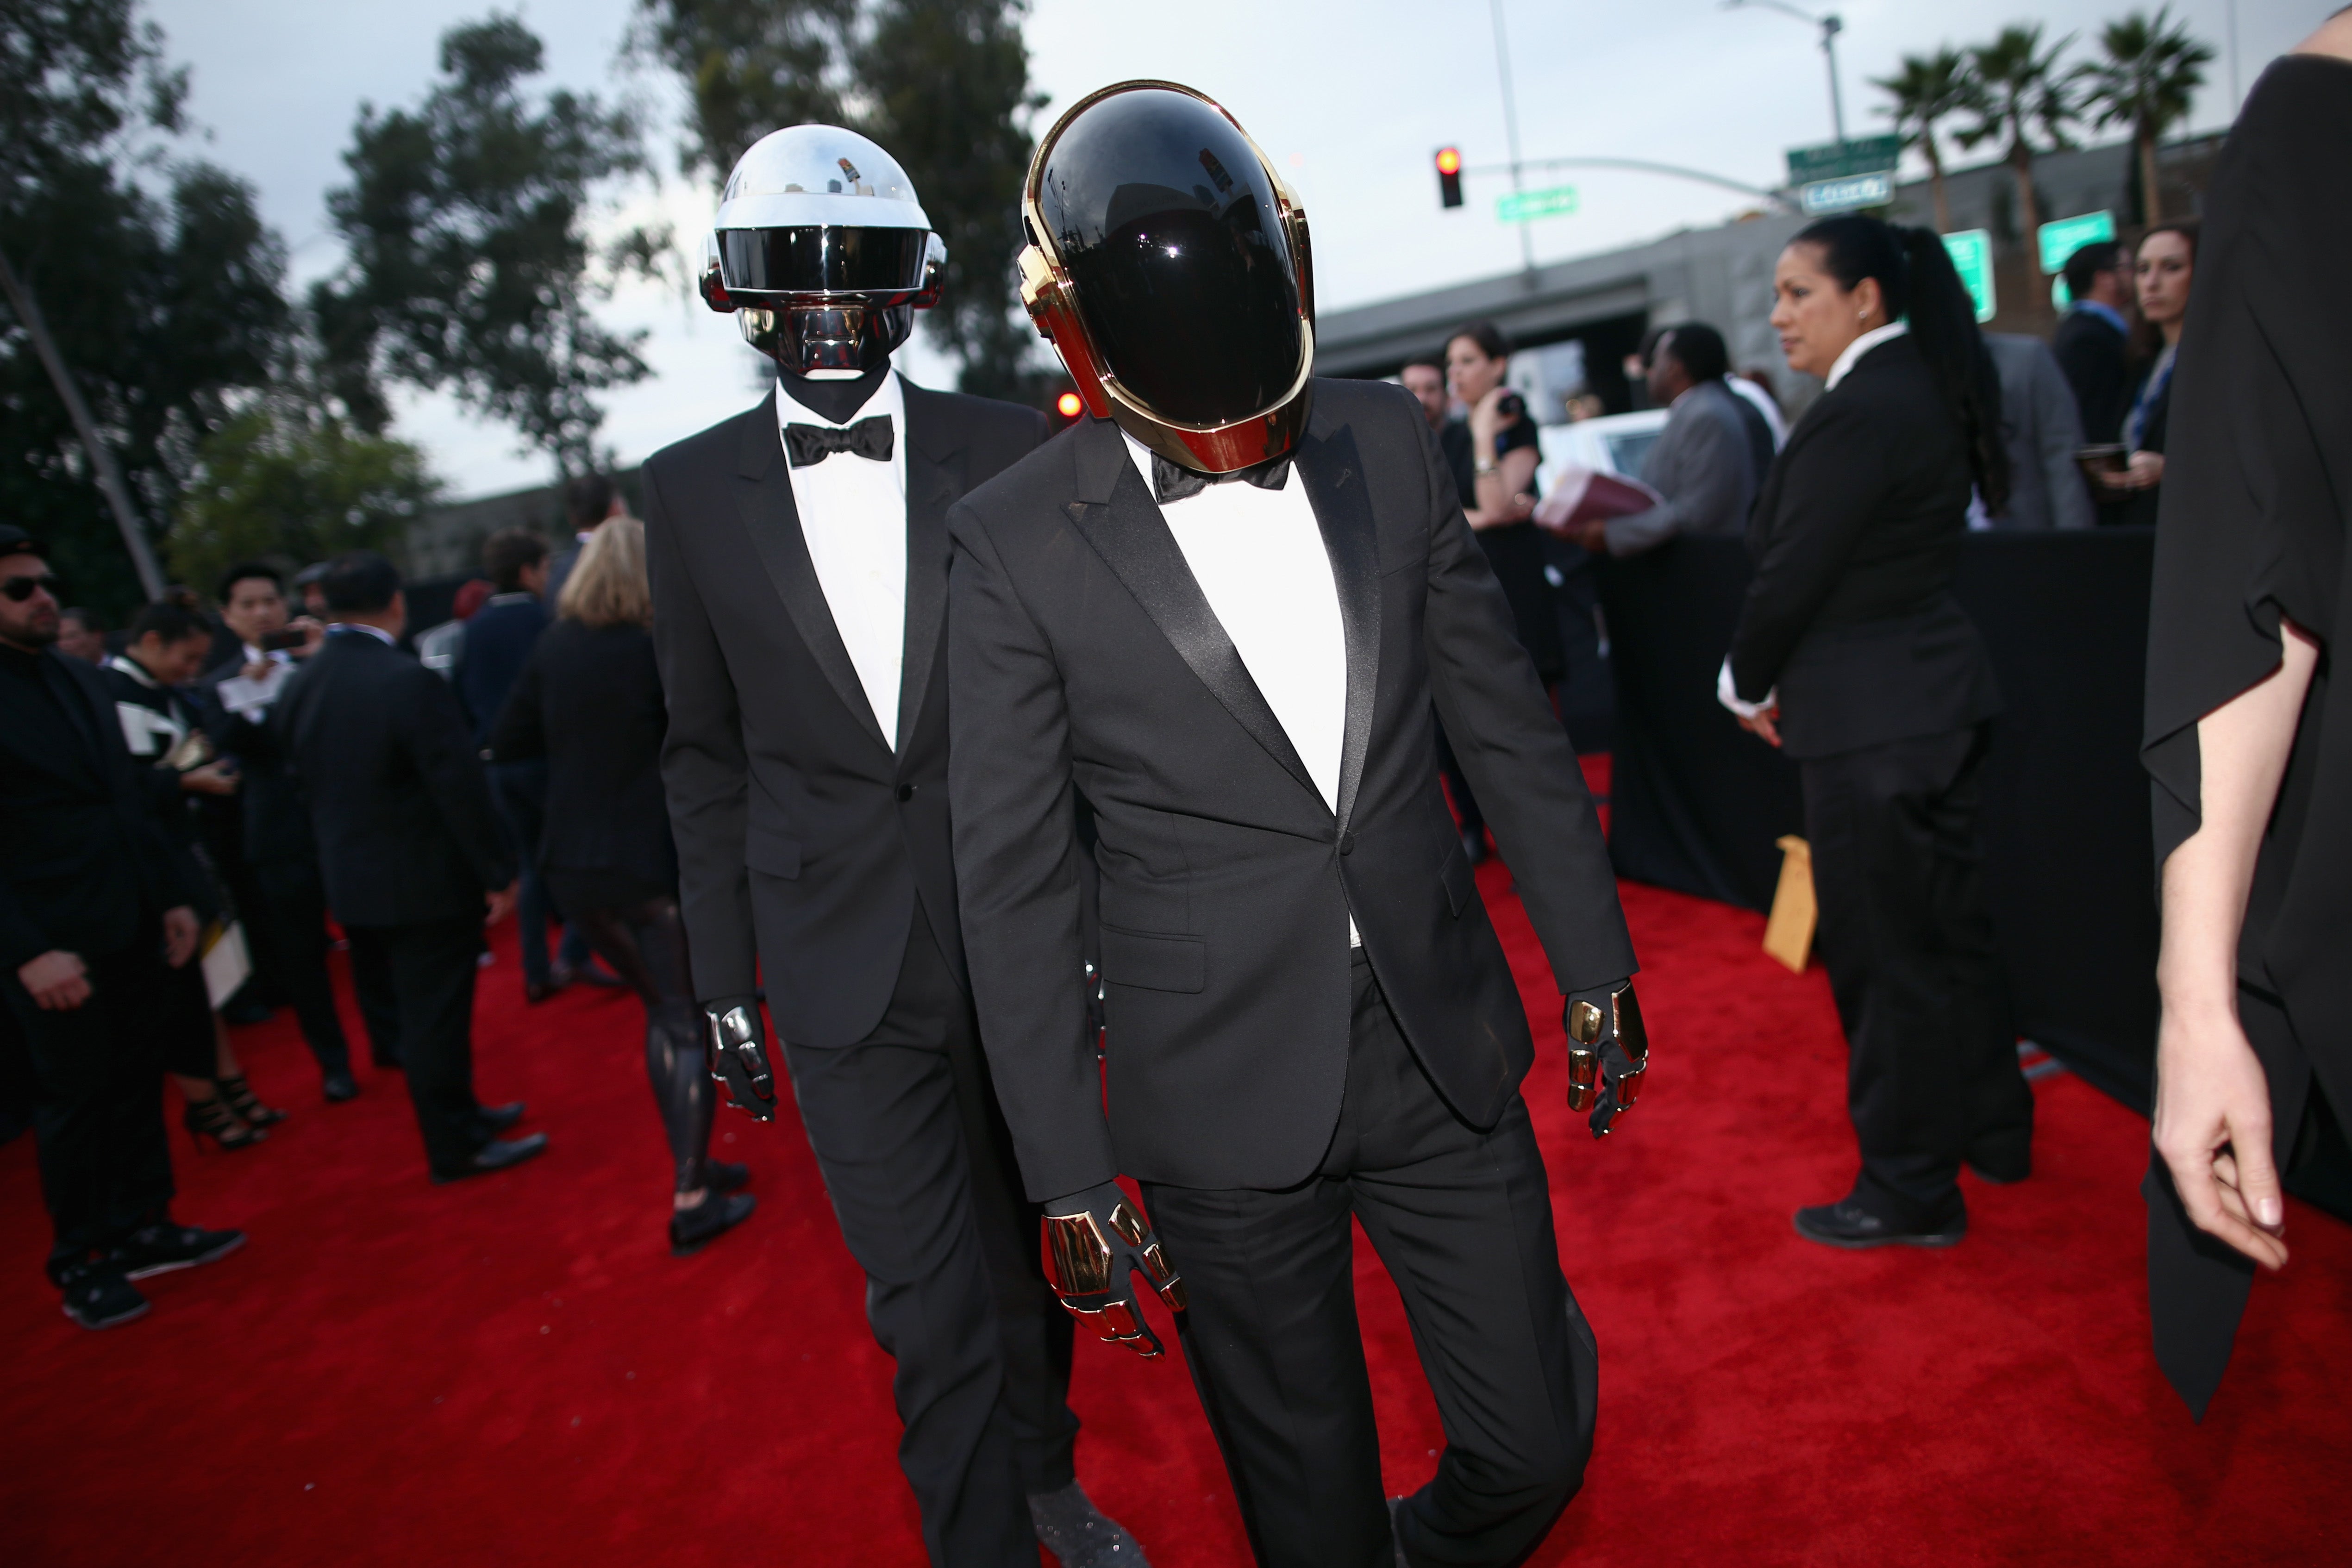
(1258, 556)
(854, 516)
(1861, 345)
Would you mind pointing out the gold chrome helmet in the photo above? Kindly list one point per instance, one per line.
(821, 251)
(1167, 263)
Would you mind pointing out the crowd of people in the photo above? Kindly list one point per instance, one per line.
(1068, 809)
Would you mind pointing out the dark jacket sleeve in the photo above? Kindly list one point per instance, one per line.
(1835, 473)
(1513, 749)
(1017, 870)
(520, 733)
(441, 744)
(704, 774)
(2091, 357)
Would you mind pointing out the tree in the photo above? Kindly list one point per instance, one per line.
(470, 263)
(1930, 88)
(2150, 75)
(2021, 91)
(160, 285)
(942, 84)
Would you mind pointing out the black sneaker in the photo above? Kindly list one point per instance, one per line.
(1079, 1534)
(720, 1176)
(692, 1229)
(159, 1249)
(1849, 1224)
(99, 1296)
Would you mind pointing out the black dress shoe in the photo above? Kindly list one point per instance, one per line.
(498, 1118)
(1849, 1224)
(497, 1154)
(692, 1229)
(338, 1087)
(97, 1296)
(159, 1249)
(720, 1176)
(1079, 1534)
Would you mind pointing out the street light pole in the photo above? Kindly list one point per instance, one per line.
(1511, 130)
(1831, 25)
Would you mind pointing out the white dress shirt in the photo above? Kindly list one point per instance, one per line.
(854, 516)
(1258, 556)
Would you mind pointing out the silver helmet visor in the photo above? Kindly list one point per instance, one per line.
(825, 260)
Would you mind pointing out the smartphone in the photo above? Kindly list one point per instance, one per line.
(276, 641)
(1513, 406)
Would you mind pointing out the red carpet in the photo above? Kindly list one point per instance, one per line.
(515, 1371)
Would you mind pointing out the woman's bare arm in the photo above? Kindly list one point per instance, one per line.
(2213, 1101)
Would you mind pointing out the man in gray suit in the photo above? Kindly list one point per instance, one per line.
(2042, 425)
(1704, 465)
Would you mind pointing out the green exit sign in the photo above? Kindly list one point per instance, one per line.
(1522, 206)
(1843, 159)
(2061, 239)
(1972, 254)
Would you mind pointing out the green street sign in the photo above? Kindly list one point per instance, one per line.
(1523, 206)
(1843, 159)
(2061, 239)
(1971, 252)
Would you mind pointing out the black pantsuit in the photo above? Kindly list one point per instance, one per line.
(1462, 1217)
(905, 1130)
(1931, 1070)
(416, 987)
(97, 1108)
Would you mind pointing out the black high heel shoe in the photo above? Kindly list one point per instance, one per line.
(211, 1119)
(248, 1107)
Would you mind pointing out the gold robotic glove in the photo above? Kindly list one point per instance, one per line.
(1095, 1242)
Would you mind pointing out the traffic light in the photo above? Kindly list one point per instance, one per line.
(1449, 177)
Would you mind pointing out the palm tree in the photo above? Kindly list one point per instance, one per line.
(1930, 88)
(2152, 70)
(2021, 90)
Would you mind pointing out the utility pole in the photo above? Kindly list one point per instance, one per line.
(1511, 130)
(1831, 26)
(102, 459)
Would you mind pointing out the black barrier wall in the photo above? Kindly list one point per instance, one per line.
(1696, 804)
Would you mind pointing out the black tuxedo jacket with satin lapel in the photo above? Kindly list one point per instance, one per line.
(84, 859)
(398, 799)
(794, 819)
(1855, 538)
(1084, 654)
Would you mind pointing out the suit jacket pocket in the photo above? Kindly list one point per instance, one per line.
(1154, 962)
(1461, 881)
(766, 850)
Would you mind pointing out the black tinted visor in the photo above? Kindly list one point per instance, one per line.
(827, 260)
(1168, 226)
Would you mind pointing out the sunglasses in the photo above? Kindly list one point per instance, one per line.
(20, 589)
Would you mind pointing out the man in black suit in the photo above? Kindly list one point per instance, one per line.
(2090, 339)
(410, 848)
(1228, 609)
(275, 872)
(91, 911)
(799, 560)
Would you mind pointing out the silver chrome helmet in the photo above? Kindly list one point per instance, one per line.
(822, 251)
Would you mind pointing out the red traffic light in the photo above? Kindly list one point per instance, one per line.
(1449, 177)
(1068, 404)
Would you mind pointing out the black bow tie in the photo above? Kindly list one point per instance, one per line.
(807, 444)
(1171, 483)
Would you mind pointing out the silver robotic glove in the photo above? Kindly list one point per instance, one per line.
(739, 1056)
(1608, 1052)
(1096, 1242)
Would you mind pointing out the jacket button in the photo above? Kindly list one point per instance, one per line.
(905, 791)
(1347, 843)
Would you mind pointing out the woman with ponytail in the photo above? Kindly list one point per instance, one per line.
(1853, 656)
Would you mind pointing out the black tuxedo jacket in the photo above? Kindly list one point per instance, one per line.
(796, 823)
(1855, 541)
(2092, 354)
(1084, 654)
(398, 799)
(84, 861)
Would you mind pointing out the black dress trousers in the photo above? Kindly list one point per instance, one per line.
(1462, 1219)
(415, 985)
(1932, 1075)
(920, 1171)
(288, 919)
(98, 1101)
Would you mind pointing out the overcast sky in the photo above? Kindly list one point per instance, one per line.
(1350, 100)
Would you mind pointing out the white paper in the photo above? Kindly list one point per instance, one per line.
(228, 966)
(247, 696)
